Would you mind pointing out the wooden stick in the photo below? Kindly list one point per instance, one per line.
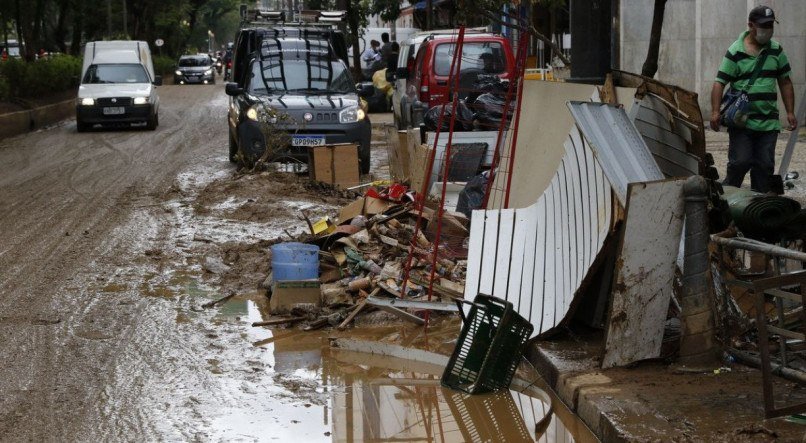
(352, 315)
(281, 321)
(317, 324)
(220, 300)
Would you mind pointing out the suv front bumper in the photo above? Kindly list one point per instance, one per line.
(251, 137)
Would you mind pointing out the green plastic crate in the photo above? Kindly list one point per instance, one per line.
(489, 347)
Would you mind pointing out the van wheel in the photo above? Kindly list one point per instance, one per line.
(233, 148)
(364, 159)
(153, 122)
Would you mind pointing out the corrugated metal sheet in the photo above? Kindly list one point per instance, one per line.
(536, 257)
(666, 136)
(617, 144)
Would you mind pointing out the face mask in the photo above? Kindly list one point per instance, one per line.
(763, 35)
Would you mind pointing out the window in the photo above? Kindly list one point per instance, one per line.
(313, 75)
(118, 73)
(487, 57)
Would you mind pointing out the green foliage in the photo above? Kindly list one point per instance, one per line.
(389, 10)
(40, 78)
(164, 65)
(5, 89)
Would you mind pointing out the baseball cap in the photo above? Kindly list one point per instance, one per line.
(761, 15)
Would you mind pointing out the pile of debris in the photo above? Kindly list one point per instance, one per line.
(364, 256)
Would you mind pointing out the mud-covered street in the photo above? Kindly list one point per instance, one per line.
(112, 242)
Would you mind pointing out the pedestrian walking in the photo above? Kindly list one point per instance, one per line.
(754, 63)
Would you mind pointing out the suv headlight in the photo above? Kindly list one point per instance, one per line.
(86, 101)
(208, 72)
(262, 113)
(178, 72)
(351, 115)
(140, 100)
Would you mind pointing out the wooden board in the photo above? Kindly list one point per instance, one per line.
(645, 270)
(334, 164)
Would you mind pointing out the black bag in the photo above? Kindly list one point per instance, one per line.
(735, 106)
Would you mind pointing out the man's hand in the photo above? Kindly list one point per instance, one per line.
(715, 117)
(793, 121)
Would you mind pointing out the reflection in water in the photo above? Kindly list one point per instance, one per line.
(315, 393)
(384, 404)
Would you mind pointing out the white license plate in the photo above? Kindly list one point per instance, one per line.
(117, 110)
(308, 140)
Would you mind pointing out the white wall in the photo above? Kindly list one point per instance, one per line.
(696, 35)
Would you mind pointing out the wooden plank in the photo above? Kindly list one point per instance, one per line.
(488, 262)
(506, 225)
(785, 295)
(644, 272)
(474, 254)
(352, 315)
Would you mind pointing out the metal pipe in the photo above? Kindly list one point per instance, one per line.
(752, 360)
(757, 246)
(697, 342)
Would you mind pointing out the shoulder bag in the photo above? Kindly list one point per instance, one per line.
(735, 106)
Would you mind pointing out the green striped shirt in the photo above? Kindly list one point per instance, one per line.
(737, 68)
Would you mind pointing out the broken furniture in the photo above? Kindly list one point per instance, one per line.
(771, 287)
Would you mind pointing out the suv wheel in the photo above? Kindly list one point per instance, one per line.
(364, 159)
(81, 126)
(233, 148)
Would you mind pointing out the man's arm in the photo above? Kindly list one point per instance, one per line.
(788, 97)
(716, 100)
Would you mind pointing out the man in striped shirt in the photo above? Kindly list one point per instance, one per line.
(753, 147)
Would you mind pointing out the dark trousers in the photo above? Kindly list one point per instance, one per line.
(751, 151)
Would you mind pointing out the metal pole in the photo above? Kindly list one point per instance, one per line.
(697, 344)
(793, 138)
(754, 245)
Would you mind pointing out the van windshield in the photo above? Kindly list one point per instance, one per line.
(116, 73)
(486, 57)
(314, 75)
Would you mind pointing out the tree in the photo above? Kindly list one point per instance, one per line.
(493, 10)
(650, 67)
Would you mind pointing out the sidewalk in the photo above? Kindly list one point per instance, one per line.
(655, 401)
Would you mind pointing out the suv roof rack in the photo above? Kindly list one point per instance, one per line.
(262, 17)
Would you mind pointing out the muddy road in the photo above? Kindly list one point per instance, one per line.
(111, 243)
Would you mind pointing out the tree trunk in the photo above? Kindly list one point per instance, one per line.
(650, 67)
(78, 27)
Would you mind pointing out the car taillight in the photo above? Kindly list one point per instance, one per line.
(425, 96)
(229, 64)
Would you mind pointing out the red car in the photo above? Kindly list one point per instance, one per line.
(427, 84)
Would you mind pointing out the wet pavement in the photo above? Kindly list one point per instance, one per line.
(103, 335)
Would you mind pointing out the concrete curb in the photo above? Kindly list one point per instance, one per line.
(20, 122)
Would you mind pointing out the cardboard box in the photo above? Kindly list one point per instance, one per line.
(287, 294)
(334, 164)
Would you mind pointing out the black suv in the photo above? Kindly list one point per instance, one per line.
(298, 86)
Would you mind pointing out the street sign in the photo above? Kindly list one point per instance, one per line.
(159, 42)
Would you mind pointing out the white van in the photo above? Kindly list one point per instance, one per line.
(118, 85)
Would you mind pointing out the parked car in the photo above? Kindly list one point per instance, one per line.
(194, 69)
(300, 88)
(118, 85)
(424, 63)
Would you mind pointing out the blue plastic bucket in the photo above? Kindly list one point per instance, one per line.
(294, 261)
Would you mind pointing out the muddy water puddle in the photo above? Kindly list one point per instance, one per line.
(314, 392)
